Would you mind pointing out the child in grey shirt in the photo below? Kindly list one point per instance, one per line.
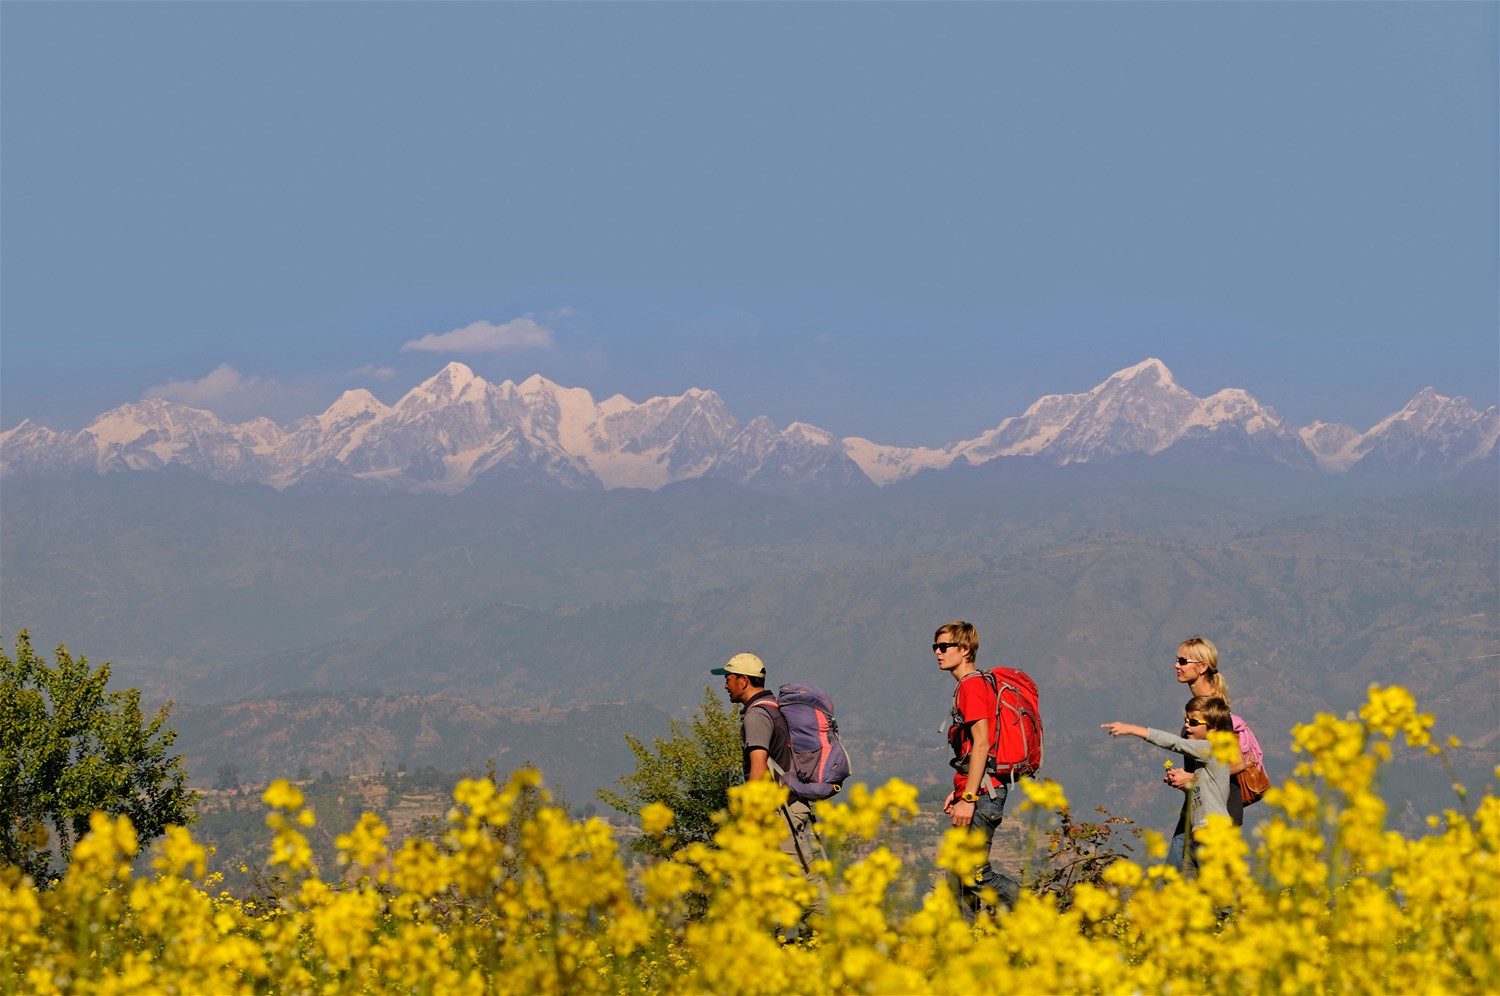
(1209, 790)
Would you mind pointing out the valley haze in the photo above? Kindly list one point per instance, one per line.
(461, 574)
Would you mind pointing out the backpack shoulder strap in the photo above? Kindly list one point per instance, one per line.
(989, 679)
(783, 778)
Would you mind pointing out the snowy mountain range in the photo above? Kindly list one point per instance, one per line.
(456, 429)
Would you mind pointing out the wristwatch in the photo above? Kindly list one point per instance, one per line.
(969, 797)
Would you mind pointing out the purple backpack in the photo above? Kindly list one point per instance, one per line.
(819, 762)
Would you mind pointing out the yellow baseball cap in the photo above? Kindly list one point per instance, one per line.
(746, 664)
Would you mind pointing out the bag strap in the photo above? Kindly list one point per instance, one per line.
(776, 769)
(989, 679)
(991, 779)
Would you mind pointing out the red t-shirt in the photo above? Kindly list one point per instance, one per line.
(972, 700)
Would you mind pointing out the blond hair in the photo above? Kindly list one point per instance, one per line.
(962, 633)
(1202, 650)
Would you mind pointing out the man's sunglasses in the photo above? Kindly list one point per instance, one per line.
(943, 648)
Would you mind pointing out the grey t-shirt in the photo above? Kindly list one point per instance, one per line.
(1210, 781)
(765, 727)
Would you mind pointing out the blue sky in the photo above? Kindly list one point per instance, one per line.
(899, 221)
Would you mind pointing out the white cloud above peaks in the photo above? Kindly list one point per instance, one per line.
(223, 384)
(231, 395)
(486, 337)
(371, 370)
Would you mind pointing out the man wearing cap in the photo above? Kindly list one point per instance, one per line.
(765, 738)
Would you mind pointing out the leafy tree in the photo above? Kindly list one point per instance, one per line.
(67, 748)
(689, 770)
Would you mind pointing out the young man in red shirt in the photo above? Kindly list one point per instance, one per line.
(978, 798)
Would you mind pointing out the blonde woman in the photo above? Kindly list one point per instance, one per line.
(1197, 666)
(1209, 791)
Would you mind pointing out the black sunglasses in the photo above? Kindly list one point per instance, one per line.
(943, 648)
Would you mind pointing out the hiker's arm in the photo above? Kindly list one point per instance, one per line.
(979, 755)
(1200, 749)
(758, 767)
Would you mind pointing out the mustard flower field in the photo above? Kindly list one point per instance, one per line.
(1324, 899)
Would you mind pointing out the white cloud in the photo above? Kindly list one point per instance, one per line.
(372, 371)
(223, 385)
(234, 397)
(486, 337)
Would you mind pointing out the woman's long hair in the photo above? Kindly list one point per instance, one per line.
(1201, 649)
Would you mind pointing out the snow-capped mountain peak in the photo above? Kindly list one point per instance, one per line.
(1427, 407)
(1137, 410)
(1142, 410)
(356, 403)
(1237, 406)
(811, 434)
(455, 428)
(454, 383)
(1429, 431)
(1150, 370)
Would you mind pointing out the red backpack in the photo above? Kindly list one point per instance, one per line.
(1016, 743)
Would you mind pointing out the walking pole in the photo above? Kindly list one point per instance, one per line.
(791, 824)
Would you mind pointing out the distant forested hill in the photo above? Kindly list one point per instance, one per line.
(512, 597)
(367, 733)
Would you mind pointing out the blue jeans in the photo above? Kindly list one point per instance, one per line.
(988, 812)
(1174, 851)
(1175, 855)
(1189, 869)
